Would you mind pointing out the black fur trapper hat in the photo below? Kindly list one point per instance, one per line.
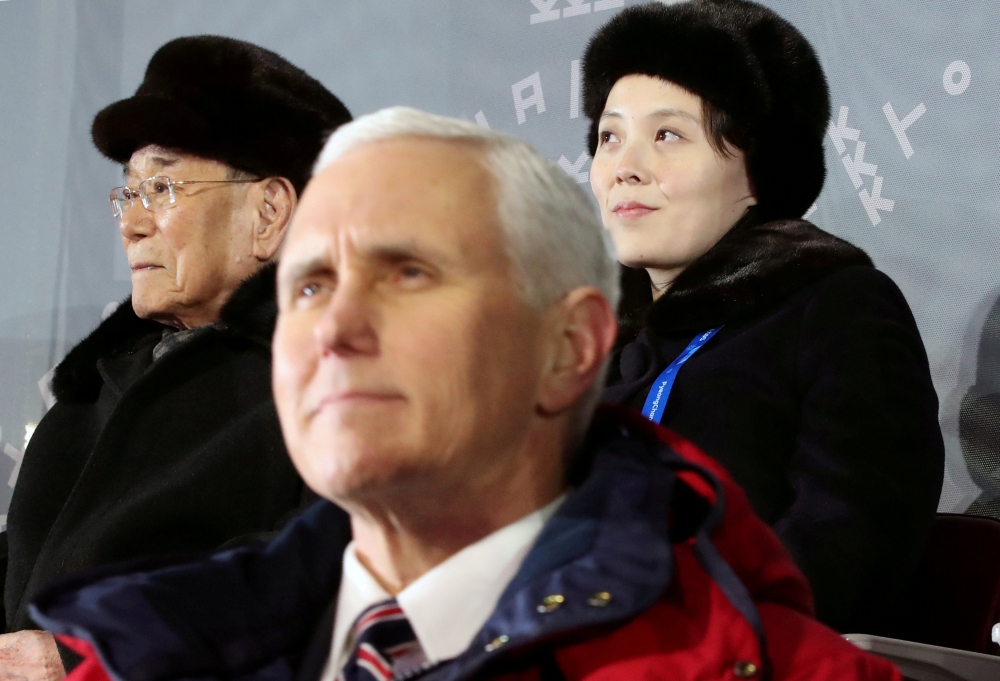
(226, 100)
(745, 60)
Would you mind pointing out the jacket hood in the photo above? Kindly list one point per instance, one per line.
(251, 313)
(247, 612)
(754, 267)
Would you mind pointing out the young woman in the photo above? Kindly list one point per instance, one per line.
(776, 347)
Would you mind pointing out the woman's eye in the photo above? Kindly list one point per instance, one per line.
(606, 136)
(666, 136)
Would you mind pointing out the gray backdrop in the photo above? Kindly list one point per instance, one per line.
(912, 155)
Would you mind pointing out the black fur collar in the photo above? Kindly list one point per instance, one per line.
(251, 313)
(753, 268)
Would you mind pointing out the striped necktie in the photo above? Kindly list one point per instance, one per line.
(385, 646)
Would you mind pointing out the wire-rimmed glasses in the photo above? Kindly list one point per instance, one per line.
(156, 193)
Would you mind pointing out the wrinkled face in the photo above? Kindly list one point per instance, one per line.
(404, 351)
(665, 194)
(188, 258)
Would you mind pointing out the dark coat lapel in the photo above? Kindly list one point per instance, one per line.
(250, 313)
(77, 378)
(753, 268)
(252, 310)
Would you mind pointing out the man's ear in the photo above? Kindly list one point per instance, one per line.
(274, 205)
(585, 329)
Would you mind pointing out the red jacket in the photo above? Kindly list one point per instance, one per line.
(699, 588)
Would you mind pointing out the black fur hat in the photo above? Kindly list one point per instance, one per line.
(225, 100)
(745, 60)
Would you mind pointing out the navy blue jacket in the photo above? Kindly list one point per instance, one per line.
(669, 546)
(663, 569)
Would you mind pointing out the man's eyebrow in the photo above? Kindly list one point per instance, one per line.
(402, 251)
(304, 268)
(164, 161)
(392, 253)
(161, 161)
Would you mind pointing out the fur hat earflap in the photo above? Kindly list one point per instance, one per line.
(745, 60)
(226, 100)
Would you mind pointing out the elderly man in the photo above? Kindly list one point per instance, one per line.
(446, 310)
(164, 437)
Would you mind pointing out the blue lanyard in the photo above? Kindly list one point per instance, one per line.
(656, 400)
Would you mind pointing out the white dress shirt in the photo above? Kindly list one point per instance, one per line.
(446, 606)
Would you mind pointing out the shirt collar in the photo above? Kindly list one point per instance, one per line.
(448, 605)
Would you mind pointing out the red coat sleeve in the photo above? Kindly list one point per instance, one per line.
(745, 541)
(90, 668)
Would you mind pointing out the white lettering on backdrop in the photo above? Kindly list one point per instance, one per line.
(546, 10)
(856, 166)
(535, 99)
(575, 170)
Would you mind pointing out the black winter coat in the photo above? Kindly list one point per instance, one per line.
(816, 395)
(138, 458)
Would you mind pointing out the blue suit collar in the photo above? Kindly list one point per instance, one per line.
(604, 558)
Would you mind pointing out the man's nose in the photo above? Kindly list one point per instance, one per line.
(136, 222)
(347, 327)
(632, 167)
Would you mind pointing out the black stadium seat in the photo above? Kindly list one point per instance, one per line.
(953, 598)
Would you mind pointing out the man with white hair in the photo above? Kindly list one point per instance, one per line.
(446, 311)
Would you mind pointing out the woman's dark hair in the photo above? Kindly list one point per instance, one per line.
(724, 133)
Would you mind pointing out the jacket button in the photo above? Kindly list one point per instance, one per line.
(600, 599)
(550, 603)
(745, 669)
(496, 643)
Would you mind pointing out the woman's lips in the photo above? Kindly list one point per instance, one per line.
(140, 266)
(631, 209)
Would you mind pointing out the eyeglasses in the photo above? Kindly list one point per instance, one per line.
(156, 193)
